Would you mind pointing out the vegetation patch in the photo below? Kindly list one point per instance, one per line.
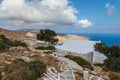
(108, 51)
(80, 61)
(112, 63)
(6, 43)
(0, 76)
(48, 36)
(45, 48)
(99, 64)
(21, 70)
(48, 52)
(18, 43)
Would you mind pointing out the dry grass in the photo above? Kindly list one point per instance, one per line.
(114, 76)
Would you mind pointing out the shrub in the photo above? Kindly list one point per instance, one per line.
(0, 76)
(4, 43)
(21, 70)
(46, 48)
(18, 43)
(108, 51)
(40, 48)
(80, 61)
(47, 35)
(102, 47)
(50, 48)
(48, 52)
(113, 63)
(99, 64)
(113, 53)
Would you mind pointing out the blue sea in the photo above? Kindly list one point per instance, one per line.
(109, 39)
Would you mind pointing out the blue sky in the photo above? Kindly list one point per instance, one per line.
(95, 11)
(81, 16)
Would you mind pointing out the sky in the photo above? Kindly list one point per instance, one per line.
(63, 16)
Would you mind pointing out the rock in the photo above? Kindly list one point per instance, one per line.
(27, 59)
(86, 75)
(8, 62)
(3, 73)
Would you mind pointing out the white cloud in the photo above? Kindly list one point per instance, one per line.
(110, 8)
(39, 12)
(84, 23)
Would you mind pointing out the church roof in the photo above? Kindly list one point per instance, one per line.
(78, 46)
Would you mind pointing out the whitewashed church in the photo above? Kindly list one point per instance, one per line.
(83, 48)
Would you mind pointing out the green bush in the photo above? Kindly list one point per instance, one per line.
(99, 64)
(40, 48)
(112, 63)
(48, 52)
(18, 43)
(113, 53)
(80, 61)
(48, 36)
(108, 51)
(21, 70)
(50, 48)
(0, 76)
(102, 47)
(4, 43)
(46, 48)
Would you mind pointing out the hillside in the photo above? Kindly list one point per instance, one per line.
(14, 35)
(54, 65)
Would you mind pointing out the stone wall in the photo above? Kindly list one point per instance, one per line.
(92, 57)
(88, 57)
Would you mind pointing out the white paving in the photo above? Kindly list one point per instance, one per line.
(66, 74)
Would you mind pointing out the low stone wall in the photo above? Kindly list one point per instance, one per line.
(88, 57)
(92, 57)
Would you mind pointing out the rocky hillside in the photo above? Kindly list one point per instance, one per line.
(56, 66)
(14, 35)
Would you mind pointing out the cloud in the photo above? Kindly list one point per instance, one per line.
(84, 23)
(110, 8)
(39, 12)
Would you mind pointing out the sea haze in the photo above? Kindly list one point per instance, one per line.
(109, 39)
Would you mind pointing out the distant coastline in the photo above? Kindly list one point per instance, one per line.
(63, 37)
(109, 39)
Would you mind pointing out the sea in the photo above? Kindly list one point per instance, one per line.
(109, 39)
